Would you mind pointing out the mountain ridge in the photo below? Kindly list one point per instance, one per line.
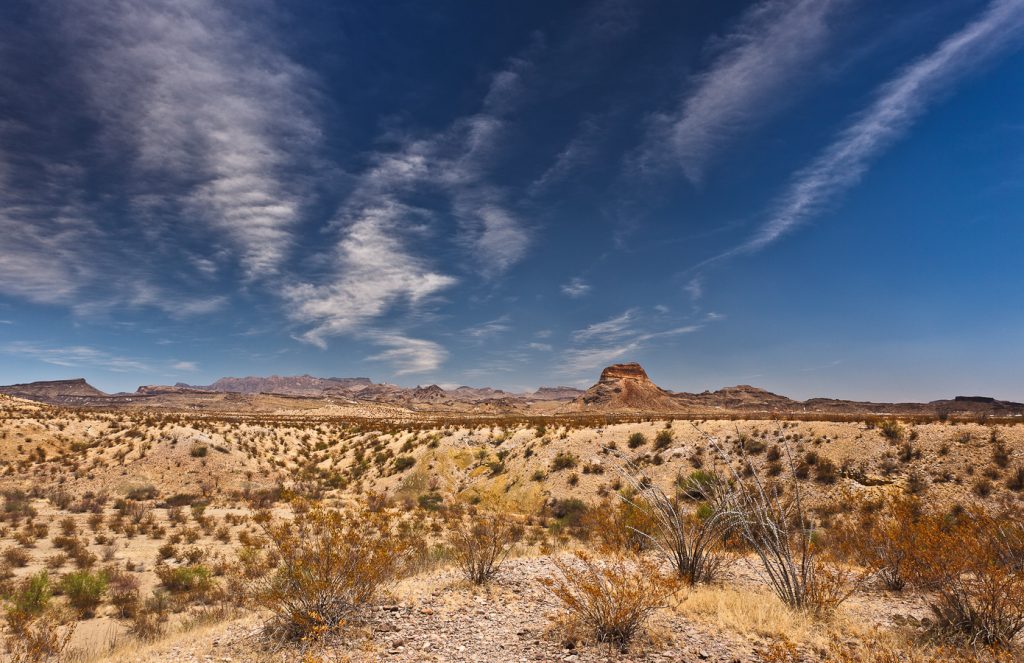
(620, 388)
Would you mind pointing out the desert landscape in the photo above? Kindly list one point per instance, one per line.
(621, 522)
(508, 332)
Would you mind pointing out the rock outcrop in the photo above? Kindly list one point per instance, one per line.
(626, 387)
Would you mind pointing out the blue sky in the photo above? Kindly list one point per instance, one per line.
(818, 197)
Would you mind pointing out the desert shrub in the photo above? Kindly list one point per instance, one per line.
(1015, 481)
(123, 593)
(972, 565)
(149, 622)
(775, 524)
(327, 564)
(30, 597)
(1000, 454)
(620, 526)
(568, 513)
(402, 463)
(891, 430)
(16, 556)
(38, 638)
(198, 451)
(882, 540)
(698, 485)
(143, 493)
(825, 471)
(982, 487)
(663, 439)
(563, 461)
(689, 541)
(916, 482)
(612, 599)
(636, 440)
(431, 501)
(191, 578)
(84, 590)
(480, 543)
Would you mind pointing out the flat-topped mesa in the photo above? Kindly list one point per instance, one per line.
(631, 370)
(625, 387)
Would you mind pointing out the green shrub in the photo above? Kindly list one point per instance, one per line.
(636, 440)
(198, 451)
(32, 595)
(431, 502)
(402, 463)
(193, 578)
(84, 590)
(891, 430)
(563, 461)
(663, 439)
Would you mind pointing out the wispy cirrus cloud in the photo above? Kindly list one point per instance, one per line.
(377, 265)
(489, 329)
(214, 118)
(376, 272)
(610, 329)
(579, 152)
(77, 356)
(769, 49)
(898, 103)
(407, 355)
(602, 343)
(576, 288)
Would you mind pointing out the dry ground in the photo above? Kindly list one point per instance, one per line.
(125, 483)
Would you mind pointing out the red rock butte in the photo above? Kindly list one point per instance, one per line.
(631, 370)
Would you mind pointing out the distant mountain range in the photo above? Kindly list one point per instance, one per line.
(626, 387)
(620, 388)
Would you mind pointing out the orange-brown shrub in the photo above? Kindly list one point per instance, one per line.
(326, 564)
(882, 539)
(972, 564)
(480, 543)
(612, 598)
(620, 526)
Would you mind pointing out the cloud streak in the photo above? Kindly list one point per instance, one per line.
(408, 355)
(576, 288)
(769, 49)
(604, 342)
(213, 117)
(898, 103)
(76, 356)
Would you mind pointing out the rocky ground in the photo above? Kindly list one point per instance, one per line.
(441, 617)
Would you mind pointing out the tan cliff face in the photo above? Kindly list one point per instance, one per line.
(631, 370)
(625, 387)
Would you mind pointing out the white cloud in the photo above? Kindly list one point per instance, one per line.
(576, 288)
(377, 267)
(408, 355)
(489, 329)
(76, 356)
(613, 328)
(898, 103)
(772, 45)
(185, 366)
(375, 272)
(213, 117)
(580, 151)
(605, 342)
(540, 347)
(695, 287)
(590, 358)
